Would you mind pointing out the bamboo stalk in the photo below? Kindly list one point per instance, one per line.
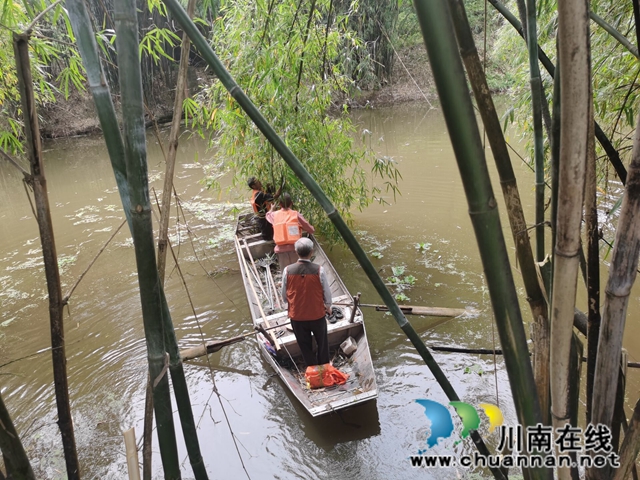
(174, 135)
(619, 37)
(147, 433)
(245, 103)
(81, 23)
(39, 185)
(132, 453)
(142, 231)
(573, 51)
(630, 447)
(15, 458)
(273, 286)
(538, 148)
(254, 268)
(636, 21)
(593, 263)
(253, 290)
(442, 49)
(622, 274)
(512, 200)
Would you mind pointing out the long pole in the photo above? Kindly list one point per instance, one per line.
(45, 225)
(250, 109)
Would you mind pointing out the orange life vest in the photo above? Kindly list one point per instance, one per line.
(304, 292)
(326, 375)
(253, 200)
(286, 228)
(260, 209)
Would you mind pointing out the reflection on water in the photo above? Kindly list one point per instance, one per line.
(427, 231)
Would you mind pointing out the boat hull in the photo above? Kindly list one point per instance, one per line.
(278, 344)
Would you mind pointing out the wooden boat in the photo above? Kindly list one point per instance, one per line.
(260, 274)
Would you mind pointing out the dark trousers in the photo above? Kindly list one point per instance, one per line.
(265, 228)
(303, 329)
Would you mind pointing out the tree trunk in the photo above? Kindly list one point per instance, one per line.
(39, 184)
(574, 60)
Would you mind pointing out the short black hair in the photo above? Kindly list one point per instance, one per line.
(251, 181)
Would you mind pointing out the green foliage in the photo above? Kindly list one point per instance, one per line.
(292, 73)
(53, 61)
(475, 368)
(400, 283)
(614, 71)
(155, 42)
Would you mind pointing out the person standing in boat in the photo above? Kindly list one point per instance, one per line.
(287, 229)
(261, 201)
(307, 293)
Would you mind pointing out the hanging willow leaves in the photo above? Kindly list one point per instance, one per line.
(267, 65)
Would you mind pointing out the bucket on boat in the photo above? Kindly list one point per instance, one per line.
(318, 376)
(349, 346)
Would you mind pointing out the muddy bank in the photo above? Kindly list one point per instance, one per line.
(411, 81)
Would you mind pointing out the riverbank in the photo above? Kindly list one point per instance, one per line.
(411, 80)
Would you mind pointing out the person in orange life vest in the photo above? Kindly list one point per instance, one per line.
(306, 291)
(261, 202)
(287, 226)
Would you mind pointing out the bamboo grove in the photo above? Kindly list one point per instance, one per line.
(582, 114)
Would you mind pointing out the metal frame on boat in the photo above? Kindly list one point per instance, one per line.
(257, 266)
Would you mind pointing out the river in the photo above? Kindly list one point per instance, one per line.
(234, 394)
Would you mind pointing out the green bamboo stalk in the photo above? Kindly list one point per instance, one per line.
(612, 153)
(125, 17)
(437, 31)
(250, 109)
(619, 37)
(538, 147)
(491, 122)
(573, 54)
(622, 274)
(15, 458)
(47, 239)
(81, 24)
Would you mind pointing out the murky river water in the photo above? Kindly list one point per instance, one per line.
(238, 395)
